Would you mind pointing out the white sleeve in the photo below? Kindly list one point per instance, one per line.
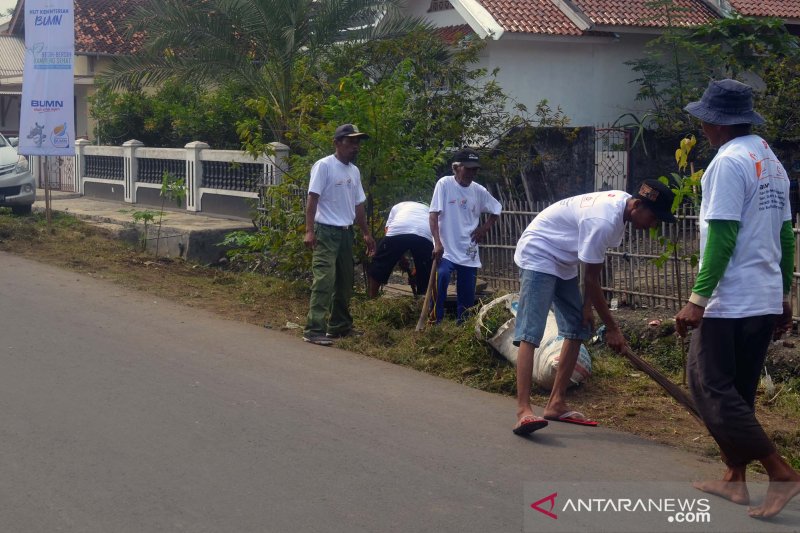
(490, 204)
(390, 219)
(319, 177)
(725, 190)
(594, 237)
(438, 200)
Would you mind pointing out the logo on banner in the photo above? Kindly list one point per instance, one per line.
(59, 137)
(37, 134)
(44, 106)
(46, 60)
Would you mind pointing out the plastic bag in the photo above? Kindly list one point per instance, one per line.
(545, 360)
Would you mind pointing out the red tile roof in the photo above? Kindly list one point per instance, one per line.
(100, 26)
(636, 13)
(767, 8)
(531, 16)
(453, 34)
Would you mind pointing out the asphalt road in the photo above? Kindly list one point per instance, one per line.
(120, 412)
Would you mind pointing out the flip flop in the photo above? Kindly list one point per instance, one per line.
(528, 424)
(573, 417)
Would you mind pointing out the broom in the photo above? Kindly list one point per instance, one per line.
(426, 303)
(672, 389)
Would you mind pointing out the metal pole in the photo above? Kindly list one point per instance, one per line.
(44, 171)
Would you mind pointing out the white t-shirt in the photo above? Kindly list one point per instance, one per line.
(409, 218)
(339, 189)
(576, 229)
(460, 211)
(746, 182)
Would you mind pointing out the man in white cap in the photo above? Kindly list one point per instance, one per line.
(740, 299)
(335, 200)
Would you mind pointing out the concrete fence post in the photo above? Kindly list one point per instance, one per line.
(131, 168)
(277, 157)
(80, 163)
(194, 174)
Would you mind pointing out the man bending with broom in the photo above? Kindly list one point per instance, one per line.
(747, 247)
(573, 231)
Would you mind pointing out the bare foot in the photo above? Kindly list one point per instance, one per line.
(778, 495)
(735, 491)
(556, 409)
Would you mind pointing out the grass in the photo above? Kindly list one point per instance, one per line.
(617, 395)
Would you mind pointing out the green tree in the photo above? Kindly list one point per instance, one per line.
(259, 44)
(171, 117)
(416, 97)
(677, 66)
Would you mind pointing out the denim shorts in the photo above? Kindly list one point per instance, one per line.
(537, 292)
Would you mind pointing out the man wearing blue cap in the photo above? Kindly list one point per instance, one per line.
(740, 299)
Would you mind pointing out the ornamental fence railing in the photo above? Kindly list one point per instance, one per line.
(134, 167)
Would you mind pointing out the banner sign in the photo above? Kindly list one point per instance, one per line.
(47, 118)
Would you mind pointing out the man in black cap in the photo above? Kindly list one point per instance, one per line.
(455, 212)
(573, 231)
(740, 299)
(335, 199)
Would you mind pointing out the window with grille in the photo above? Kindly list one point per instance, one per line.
(439, 5)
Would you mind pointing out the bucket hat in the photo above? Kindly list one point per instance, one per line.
(725, 103)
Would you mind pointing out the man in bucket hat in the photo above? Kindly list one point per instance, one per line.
(573, 231)
(335, 200)
(740, 299)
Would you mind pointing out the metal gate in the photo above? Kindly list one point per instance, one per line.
(60, 170)
(611, 159)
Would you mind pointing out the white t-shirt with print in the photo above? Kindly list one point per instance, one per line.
(576, 229)
(460, 211)
(339, 189)
(746, 182)
(409, 218)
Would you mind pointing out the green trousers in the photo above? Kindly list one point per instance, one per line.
(332, 268)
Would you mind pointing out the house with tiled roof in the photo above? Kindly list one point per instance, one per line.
(788, 10)
(100, 35)
(571, 52)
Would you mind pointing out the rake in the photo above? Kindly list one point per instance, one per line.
(672, 389)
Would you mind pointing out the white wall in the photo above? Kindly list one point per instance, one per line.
(419, 8)
(589, 80)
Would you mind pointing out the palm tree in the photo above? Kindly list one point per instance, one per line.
(258, 43)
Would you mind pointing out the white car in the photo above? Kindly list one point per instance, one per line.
(17, 186)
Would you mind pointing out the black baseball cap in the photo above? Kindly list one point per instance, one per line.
(468, 158)
(657, 197)
(348, 130)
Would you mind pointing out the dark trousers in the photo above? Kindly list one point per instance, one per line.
(725, 361)
(466, 277)
(392, 248)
